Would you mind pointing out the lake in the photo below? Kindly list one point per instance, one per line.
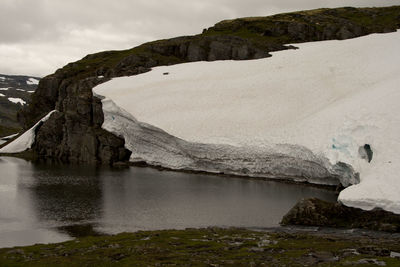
(43, 203)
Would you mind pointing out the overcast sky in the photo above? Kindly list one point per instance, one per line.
(40, 36)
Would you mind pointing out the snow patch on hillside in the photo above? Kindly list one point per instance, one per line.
(331, 97)
(25, 141)
(9, 137)
(31, 81)
(16, 100)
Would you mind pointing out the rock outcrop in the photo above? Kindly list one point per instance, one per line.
(316, 212)
(74, 133)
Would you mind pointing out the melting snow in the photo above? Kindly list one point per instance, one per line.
(3, 89)
(156, 147)
(26, 140)
(17, 100)
(2, 95)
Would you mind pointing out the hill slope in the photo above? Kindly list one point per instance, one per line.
(15, 92)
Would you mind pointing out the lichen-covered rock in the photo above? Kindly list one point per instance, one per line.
(316, 212)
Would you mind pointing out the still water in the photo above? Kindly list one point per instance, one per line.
(42, 203)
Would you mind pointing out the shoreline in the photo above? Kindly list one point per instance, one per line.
(31, 156)
(213, 247)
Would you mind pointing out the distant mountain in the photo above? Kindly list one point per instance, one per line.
(15, 92)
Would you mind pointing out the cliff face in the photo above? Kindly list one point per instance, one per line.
(74, 133)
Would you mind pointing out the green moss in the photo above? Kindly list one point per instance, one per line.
(194, 247)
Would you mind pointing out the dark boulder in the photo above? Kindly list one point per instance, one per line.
(316, 212)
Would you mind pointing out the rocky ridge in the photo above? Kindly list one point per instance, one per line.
(74, 134)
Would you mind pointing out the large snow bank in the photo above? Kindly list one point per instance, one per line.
(26, 140)
(332, 97)
(156, 147)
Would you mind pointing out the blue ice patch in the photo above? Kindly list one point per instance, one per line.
(342, 144)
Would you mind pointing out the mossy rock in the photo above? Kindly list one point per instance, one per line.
(316, 212)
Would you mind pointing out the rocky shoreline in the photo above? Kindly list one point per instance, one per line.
(213, 247)
(316, 212)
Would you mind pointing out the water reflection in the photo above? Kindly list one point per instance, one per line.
(19, 224)
(162, 200)
(49, 203)
(66, 194)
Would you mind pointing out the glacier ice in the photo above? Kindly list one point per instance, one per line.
(154, 146)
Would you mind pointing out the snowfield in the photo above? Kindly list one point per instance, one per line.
(318, 105)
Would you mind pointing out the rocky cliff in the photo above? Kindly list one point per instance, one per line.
(75, 134)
